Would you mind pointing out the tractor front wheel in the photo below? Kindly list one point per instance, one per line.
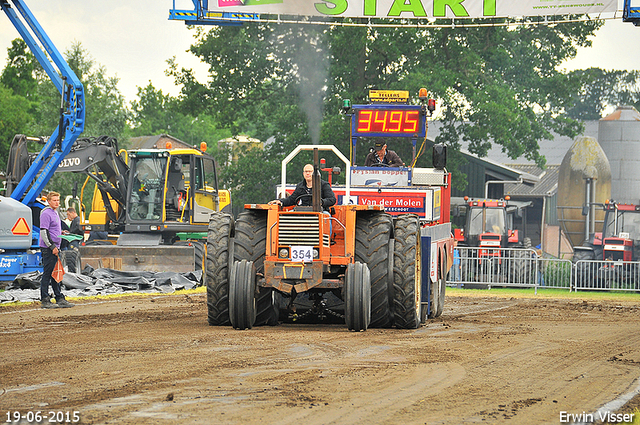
(242, 295)
(357, 297)
(250, 244)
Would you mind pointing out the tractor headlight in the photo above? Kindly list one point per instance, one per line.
(284, 253)
(316, 253)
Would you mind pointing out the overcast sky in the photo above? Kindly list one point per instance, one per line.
(133, 39)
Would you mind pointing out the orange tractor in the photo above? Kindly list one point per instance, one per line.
(374, 262)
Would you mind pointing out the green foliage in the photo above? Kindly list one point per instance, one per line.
(156, 113)
(599, 89)
(14, 117)
(22, 70)
(106, 113)
(494, 85)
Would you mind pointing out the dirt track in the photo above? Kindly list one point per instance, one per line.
(154, 360)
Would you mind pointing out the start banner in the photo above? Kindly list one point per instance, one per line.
(415, 8)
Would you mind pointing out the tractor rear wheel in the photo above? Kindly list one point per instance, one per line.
(357, 297)
(586, 272)
(438, 289)
(373, 237)
(219, 245)
(200, 257)
(242, 295)
(251, 245)
(407, 282)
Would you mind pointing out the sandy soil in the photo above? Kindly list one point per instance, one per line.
(154, 360)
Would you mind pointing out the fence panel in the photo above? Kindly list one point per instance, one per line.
(483, 267)
(606, 275)
(555, 273)
(513, 267)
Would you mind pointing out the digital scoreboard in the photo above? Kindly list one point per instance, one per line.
(390, 120)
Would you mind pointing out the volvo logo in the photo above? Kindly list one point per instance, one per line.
(69, 162)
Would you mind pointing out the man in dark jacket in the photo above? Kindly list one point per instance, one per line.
(383, 156)
(302, 194)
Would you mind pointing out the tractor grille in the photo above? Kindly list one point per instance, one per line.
(296, 229)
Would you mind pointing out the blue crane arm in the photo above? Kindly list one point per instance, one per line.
(72, 110)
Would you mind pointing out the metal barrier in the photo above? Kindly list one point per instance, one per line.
(555, 273)
(606, 275)
(483, 268)
(517, 267)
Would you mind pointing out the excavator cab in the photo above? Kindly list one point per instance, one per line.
(171, 187)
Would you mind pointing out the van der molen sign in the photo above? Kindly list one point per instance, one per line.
(415, 8)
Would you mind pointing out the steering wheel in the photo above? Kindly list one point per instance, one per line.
(304, 195)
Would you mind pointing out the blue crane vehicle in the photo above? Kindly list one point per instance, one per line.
(20, 211)
(200, 15)
(631, 13)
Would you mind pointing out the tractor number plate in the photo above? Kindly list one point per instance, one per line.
(302, 254)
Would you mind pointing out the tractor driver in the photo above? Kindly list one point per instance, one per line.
(302, 194)
(380, 155)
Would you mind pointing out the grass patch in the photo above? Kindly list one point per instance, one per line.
(545, 293)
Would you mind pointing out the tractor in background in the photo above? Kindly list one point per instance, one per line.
(608, 259)
(491, 250)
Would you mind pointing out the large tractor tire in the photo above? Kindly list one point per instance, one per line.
(242, 295)
(71, 260)
(438, 289)
(219, 244)
(586, 276)
(251, 245)
(200, 257)
(373, 242)
(357, 297)
(522, 267)
(407, 282)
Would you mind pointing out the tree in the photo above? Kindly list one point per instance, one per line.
(22, 70)
(106, 113)
(14, 118)
(600, 89)
(156, 113)
(495, 85)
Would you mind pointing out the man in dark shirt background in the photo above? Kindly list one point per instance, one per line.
(383, 156)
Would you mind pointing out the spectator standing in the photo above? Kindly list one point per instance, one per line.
(74, 227)
(50, 231)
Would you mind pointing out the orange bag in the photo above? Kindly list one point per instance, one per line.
(58, 271)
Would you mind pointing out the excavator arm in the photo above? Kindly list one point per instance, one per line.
(98, 158)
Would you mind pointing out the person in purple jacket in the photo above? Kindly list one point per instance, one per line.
(50, 231)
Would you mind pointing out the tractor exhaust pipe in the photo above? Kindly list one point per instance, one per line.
(316, 190)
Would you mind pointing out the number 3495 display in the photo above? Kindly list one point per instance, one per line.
(388, 121)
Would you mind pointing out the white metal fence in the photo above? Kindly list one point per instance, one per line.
(513, 267)
(607, 275)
